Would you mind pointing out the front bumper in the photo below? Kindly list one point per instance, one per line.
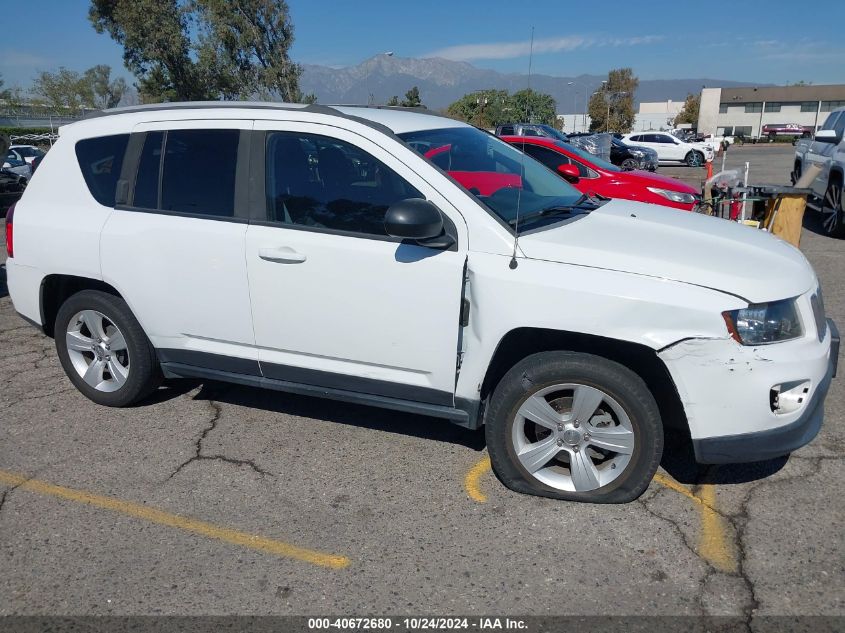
(753, 447)
(725, 388)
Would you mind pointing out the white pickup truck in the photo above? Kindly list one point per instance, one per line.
(827, 151)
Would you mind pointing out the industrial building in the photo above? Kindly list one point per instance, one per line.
(744, 111)
(658, 115)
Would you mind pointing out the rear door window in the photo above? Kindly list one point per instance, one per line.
(549, 158)
(100, 160)
(188, 172)
(149, 166)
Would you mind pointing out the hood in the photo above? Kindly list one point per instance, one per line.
(645, 150)
(648, 239)
(648, 179)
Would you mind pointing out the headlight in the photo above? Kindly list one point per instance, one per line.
(636, 152)
(674, 196)
(762, 323)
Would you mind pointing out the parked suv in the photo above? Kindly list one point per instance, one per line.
(671, 149)
(410, 261)
(826, 151)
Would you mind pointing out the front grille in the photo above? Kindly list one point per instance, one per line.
(818, 313)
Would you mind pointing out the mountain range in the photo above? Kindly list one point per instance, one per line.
(442, 81)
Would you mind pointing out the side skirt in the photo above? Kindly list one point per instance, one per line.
(466, 415)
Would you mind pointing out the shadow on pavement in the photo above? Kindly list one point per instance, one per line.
(679, 461)
(4, 289)
(423, 427)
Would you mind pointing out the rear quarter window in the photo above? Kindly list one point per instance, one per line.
(100, 160)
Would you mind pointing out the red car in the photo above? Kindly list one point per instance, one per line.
(591, 174)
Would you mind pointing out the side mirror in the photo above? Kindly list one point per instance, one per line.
(827, 136)
(413, 219)
(569, 172)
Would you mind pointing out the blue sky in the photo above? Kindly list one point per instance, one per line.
(746, 40)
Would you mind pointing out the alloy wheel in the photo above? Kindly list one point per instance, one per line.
(97, 350)
(832, 209)
(573, 437)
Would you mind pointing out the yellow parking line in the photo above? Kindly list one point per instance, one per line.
(471, 481)
(235, 537)
(713, 542)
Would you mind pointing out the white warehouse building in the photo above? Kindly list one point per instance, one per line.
(658, 115)
(744, 111)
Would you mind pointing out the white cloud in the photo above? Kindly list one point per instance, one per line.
(17, 59)
(510, 50)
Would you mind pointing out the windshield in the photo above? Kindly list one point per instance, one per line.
(500, 176)
(28, 152)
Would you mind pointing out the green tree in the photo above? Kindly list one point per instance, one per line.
(309, 98)
(251, 38)
(68, 89)
(99, 90)
(534, 107)
(484, 108)
(61, 89)
(156, 45)
(203, 49)
(611, 108)
(4, 94)
(689, 113)
(393, 101)
(489, 108)
(412, 98)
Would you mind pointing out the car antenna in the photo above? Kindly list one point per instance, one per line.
(513, 264)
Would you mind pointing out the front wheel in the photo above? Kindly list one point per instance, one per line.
(629, 163)
(833, 215)
(103, 349)
(795, 176)
(574, 426)
(694, 159)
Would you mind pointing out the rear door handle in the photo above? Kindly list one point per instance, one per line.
(281, 255)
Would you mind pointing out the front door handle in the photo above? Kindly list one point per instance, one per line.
(281, 255)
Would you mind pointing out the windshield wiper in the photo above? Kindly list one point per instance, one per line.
(584, 204)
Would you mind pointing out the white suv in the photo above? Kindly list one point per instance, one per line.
(671, 149)
(370, 255)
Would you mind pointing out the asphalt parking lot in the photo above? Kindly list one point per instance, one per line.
(220, 499)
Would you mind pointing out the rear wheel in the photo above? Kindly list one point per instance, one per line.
(103, 349)
(694, 159)
(574, 426)
(833, 221)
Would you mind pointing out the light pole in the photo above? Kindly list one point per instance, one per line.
(370, 97)
(574, 102)
(481, 100)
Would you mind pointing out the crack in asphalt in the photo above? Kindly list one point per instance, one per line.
(683, 538)
(199, 456)
(10, 490)
(739, 522)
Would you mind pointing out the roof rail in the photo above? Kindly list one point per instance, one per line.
(315, 108)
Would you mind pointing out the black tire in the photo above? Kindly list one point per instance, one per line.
(772, 137)
(630, 163)
(795, 176)
(546, 369)
(144, 374)
(694, 159)
(833, 214)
